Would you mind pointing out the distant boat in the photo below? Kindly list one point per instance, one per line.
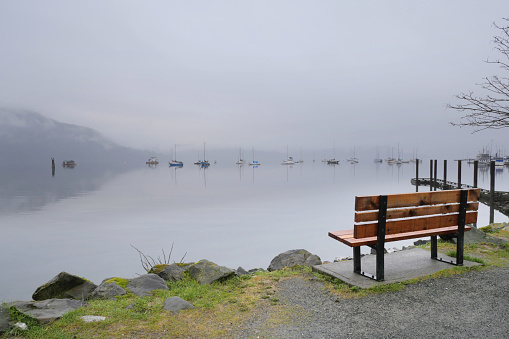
(175, 163)
(204, 163)
(289, 160)
(152, 161)
(499, 161)
(69, 163)
(254, 162)
(240, 161)
(333, 161)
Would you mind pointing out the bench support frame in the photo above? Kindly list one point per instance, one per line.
(380, 248)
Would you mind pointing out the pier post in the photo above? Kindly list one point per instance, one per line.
(435, 175)
(476, 167)
(459, 174)
(445, 176)
(431, 174)
(492, 192)
(417, 175)
(53, 166)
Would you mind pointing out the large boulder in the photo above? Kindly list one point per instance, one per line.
(65, 286)
(107, 290)
(292, 258)
(176, 304)
(145, 284)
(47, 310)
(172, 272)
(206, 272)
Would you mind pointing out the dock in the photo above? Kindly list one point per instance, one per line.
(500, 198)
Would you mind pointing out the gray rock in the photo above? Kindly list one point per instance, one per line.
(5, 319)
(172, 272)
(47, 310)
(206, 272)
(65, 286)
(240, 271)
(92, 318)
(477, 236)
(176, 304)
(107, 291)
(292, 258)
(145, 284)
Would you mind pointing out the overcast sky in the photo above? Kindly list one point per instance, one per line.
(263, 74)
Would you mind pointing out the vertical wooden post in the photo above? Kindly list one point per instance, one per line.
(435, 175)
(476, 167)
(459, 174)
(445, 176)
(431, 174)
(417, 175)
(53, 166)
(492, 192)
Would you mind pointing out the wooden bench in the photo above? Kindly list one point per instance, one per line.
(385, 218)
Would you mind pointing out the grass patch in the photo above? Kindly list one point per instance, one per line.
(221, 307)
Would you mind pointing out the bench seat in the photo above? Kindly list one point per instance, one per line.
(347, 237)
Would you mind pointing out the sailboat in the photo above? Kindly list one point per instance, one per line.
(175, 163)
(289, 160)
(353, 160)
(333, 161)
(254, 162)
(240, 161)
(204, 163)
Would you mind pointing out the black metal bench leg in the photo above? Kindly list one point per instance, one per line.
(434, 247)
(357, 259)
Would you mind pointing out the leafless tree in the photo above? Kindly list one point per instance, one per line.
(492, 110)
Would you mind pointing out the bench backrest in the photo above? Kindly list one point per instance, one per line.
(411, 212)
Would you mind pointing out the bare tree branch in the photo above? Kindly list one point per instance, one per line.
(492, 110)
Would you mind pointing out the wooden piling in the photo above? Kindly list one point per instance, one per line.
(476, 172)
(417, 175)
(445, 175)
(431, 174)
(459, 174)
(435, 175)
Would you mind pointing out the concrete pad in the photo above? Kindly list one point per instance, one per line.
(399, 266)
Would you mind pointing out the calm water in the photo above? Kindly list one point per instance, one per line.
(84, 220)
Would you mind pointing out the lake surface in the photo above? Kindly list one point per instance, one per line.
(84, 220)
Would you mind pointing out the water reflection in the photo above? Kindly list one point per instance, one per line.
(29, 188)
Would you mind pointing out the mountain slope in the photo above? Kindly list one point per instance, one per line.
(28, 137)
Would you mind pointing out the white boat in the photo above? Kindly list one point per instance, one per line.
(175, 163)
(152, 161)
(499, 161)
(289, 160)
(240, 161)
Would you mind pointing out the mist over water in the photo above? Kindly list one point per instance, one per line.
(83, 220)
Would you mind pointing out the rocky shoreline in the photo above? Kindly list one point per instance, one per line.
(67, 292)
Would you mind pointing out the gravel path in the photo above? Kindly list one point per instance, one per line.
(471, 305)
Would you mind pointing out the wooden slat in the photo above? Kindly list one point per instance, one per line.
(411, 225)
(396, 237)
(366, 203)
(414, 212)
